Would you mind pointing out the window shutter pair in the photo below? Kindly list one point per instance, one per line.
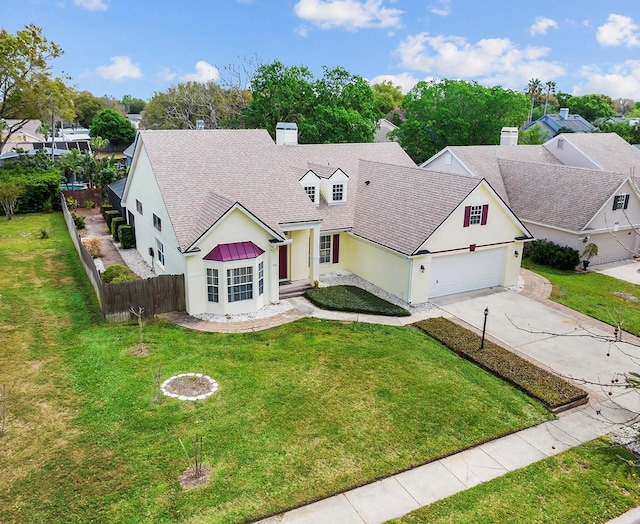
(483, 218)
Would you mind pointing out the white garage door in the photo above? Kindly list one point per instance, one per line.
(466, 271)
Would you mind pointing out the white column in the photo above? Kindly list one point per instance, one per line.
(314, 255)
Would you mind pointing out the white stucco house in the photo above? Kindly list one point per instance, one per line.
(239, 215)
(572, 190)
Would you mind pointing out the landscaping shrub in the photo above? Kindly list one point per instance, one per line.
(117, 273)
(127, 236)
(40, 191)
(72, 203)
(550, 389)
(78, 221)
(110, 215)
(89, 204)
(105, 208)
(116, 222)
(92, 245)
(354, 300)
(551, 254)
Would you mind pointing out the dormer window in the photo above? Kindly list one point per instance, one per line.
(311, 193)
(338, 192)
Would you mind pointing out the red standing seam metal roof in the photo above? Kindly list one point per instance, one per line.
(234, 251)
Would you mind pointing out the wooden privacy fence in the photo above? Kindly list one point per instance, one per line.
(157, 295)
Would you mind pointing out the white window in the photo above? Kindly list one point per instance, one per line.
(260, 278)
(213, 285)
(240, 284)
(476, 215)
(621, 201)
(157, 222)
(311, 193)
(325, 249)
(160, 249)
(338, 192)
(139, 206)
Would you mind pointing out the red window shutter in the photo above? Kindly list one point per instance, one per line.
(467, 216)
(336, 249)
(485, 212)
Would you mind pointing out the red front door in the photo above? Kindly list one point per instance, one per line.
(283, 263)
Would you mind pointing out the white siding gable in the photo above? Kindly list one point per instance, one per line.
(310, 182)
(334, 188)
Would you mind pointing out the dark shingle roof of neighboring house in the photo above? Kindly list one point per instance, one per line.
(400, 207)
(202, 173)
(553, 123)
(548, 194)
(117, 187)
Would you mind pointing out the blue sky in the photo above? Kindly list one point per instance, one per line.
(139, 47)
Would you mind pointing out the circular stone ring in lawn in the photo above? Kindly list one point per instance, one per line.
(189, 386)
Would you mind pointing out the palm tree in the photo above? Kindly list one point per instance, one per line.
(551, 89)
(98, 143)
(534, 87)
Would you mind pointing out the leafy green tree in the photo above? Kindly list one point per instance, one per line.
(387, 96)
(455, 112)
(27, 88)
(113, 126)
(628, 132)
(535, 135)
(87, 107)
(591, 107)
(10, 191)
(133, 105)
(107, 171)
(72, 164)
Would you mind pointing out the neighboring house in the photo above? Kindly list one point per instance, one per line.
(25, 137)
(551, 124)
(632, 121)
(382, 131)
(239, 215)
(574, 189)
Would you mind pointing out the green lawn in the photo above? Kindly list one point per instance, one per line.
(594, 294)
(588, 484)
(303, 410)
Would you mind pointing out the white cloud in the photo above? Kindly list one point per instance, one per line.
(490, 61)
(349, 14)
(204, 72)
(301, 30)
(441, 8)
(121, 67)
(619, 30)
(166, 75)
(405, 81)
(542, 25)
(621, 81)
(91, 5)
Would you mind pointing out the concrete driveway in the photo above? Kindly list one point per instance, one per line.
(552, 338)
(627, 270)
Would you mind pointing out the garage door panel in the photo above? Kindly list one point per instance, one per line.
(466, 271)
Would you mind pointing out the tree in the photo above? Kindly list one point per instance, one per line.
(133, 105)
(535, 135)
(113, 126)
(534, 88)
(591, 107)
(630, 133)
(87, 107)
(455, 112)
(550, 89)
(387, 96)
(72, 164)
(27, 90)
(9, 194)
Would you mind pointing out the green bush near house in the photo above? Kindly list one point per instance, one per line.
(110, 215)
(551, 254)
(550, 389)
(116, 222)
(354, 300)
(117, 273)
(127, 236)
(105, 208)
(78, 221)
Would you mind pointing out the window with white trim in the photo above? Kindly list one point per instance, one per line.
(139, 207)
(213, 285)
(621, 201)
(311, 193)
(260, 278)
(157, 222)
(240, 284)
(325, 249)
(475, 217)
(337, 193)
(160, 252)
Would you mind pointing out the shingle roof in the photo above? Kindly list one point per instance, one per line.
(608, 150)
(202, 173)
(400, 207)
(560, 196)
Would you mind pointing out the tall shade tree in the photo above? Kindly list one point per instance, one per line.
(591, 107)
(446, 112)
(113, 126)
(133, 105)
(27, 88)
(387, 96)
(87, 107)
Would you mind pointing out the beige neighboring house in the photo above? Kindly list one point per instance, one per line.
(240, 216)
(574, 189)
(25, 137)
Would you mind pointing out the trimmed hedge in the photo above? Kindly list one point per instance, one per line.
(105, 208)
(127, 236)
(354, 300)
(548, 388)
(109, 216)
(116, 222)
(117, 273)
